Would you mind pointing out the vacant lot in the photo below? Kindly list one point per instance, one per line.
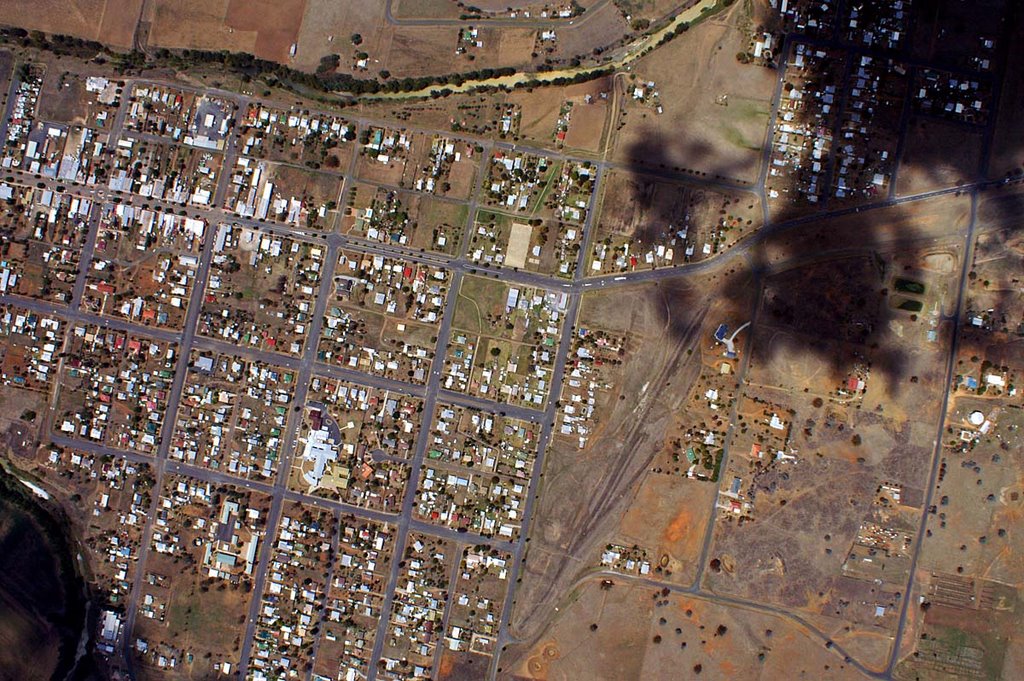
(628, 631)
(425, 9)
(261, 27)
(540, 110)
(107, 21)
(715, 109)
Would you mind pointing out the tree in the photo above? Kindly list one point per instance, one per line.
(357, 39)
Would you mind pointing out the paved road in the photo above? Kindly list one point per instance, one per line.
(166, 432)
(908, 592)
(288, 449)
(306, 364)
(429, 404)
(328, 580)
(409, 499)
(85, 258)
(453, 580)
(568, 328)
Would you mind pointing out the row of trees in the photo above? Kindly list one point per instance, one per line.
(249, 67)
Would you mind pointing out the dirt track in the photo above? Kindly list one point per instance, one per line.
(629, 440)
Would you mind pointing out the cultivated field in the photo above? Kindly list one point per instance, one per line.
(260, 27)
(110, 22)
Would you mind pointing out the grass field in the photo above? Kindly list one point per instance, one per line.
(266, 29)
(107, 21)
(715, 108)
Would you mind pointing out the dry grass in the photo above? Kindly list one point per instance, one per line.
(111, 23)
(691, 74)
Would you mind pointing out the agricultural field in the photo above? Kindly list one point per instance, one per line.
(88, 19)
(264, 29)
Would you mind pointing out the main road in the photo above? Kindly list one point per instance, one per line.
(459, 266)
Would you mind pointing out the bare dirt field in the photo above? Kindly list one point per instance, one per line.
(265, 29)
(585, 492)
(540, 110)
(668, 517)
(328, 26)
(651, 10)
(715, 109)
(106, 21)
(425, 9)
(632, 631)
